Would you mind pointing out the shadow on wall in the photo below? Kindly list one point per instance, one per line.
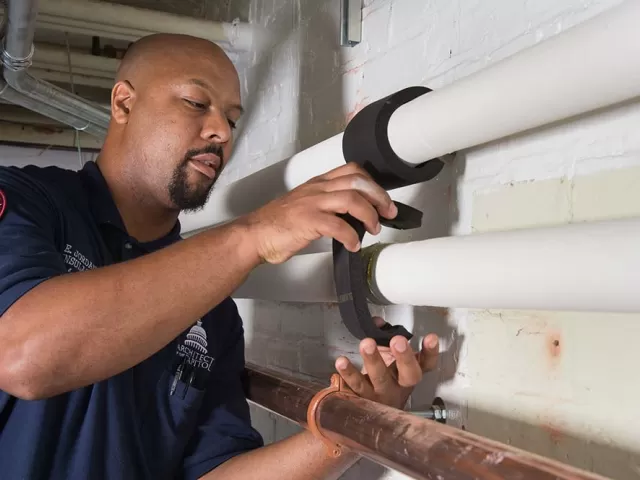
(584, 453)
(305, 43)
(320, 112)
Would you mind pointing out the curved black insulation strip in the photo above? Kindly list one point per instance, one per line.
(352, 291)
(366, 143)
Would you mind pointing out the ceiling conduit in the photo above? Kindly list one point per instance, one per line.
(43, 97)
(13, 96)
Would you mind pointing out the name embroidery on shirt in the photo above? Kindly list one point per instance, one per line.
(194, 348)
(76, 261)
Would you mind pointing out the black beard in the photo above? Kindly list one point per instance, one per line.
(192, 198)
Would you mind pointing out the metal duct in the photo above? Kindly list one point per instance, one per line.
(25, 90)
(14, 96)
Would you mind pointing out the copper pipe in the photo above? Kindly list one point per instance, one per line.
(420, 448)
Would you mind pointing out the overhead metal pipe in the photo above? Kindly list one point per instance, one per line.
(551, 81)
(15, 97)
(17, 56)
(45, 92)
(420, 448)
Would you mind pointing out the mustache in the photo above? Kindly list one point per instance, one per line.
(212, 148)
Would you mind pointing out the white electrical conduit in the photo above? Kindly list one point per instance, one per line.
(52, 64)
(580, 267)
(56, 58)
(78, 78)
(577, 71)
(130, 23)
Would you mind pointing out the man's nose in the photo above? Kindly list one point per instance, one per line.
(216, 128)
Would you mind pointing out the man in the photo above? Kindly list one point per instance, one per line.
(121, 352)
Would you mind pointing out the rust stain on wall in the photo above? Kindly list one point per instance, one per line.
(555, 434)
(554, 346)
(359, 106)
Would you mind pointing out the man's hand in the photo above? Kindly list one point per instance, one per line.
(390, 373)
(288, 224)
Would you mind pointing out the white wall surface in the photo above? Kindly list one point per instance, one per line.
(557, 383)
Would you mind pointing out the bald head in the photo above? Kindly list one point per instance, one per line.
(173, 108)
(165, 54)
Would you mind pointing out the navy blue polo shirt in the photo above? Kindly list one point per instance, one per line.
(178, 414)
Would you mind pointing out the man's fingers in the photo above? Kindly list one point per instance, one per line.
(334, 227)
(379, 322)
(341, 171)
(365, 186)
(379, 374)
(428, 356)
(408, 368)
(351, 202)
(353, 378)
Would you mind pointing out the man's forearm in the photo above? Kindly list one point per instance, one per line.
(93, 325)
(299, 457)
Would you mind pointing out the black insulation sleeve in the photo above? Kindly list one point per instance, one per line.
(366, 143)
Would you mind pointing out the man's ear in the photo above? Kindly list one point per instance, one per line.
(123, 96)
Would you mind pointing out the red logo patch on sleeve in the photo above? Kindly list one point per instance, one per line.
(3, 203)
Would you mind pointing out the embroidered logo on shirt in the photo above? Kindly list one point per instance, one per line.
(3, 203)
(194, 349)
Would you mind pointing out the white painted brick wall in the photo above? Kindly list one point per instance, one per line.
(315, 86)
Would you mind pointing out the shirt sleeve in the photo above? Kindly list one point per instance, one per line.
(224, 429)
(28, 253)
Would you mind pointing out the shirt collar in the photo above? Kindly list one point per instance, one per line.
(104, 208)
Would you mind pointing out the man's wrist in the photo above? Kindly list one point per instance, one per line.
(243, 237)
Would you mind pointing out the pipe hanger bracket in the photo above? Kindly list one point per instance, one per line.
(337, 386)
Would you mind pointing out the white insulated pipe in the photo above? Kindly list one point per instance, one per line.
(582, 69)
(304, 278)
(52, 64)
(578, 267)
(253, 191)
(577, 71)
(581, 267)
(130, 23)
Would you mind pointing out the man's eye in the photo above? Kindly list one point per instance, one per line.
(232, 124)
(197, 105)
